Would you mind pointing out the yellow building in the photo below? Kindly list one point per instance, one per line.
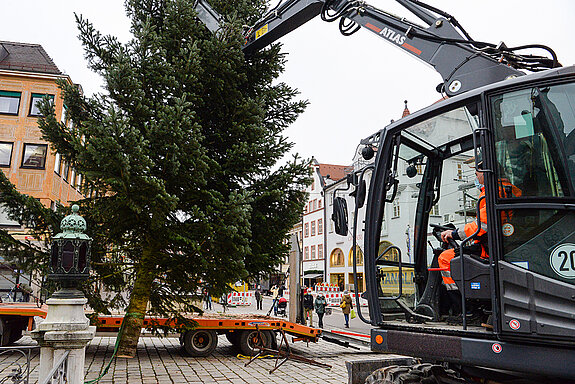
(27, 73)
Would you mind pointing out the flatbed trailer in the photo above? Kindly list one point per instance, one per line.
(15, 318)
(246, 332)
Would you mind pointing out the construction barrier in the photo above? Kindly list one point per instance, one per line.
(240, 298)
(326, 287)
(334, 299)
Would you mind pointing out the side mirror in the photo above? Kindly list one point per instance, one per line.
(411, 171)
(361, 190)
(339, 216)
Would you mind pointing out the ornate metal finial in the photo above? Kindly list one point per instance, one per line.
(73, 226)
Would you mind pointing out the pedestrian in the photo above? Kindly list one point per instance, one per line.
(320, 305)
(207, 299)
(259, 297)
(308, 306)
(346, 305)
(275, 293)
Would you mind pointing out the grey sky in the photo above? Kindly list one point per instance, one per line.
(356, 84)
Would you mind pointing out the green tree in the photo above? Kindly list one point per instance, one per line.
(180, 155)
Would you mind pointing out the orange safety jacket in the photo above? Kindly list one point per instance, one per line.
(506, 190)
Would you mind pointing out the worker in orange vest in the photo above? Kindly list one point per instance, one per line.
(479, 246)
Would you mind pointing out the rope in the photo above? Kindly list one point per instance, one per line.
(105, 371)
(240, 356)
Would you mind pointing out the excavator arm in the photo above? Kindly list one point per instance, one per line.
(462, 62)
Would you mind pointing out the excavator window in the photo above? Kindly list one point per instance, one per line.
(535, 150)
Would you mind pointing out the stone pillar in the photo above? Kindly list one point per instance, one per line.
(66, 327)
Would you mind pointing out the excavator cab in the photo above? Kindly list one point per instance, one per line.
(523, 288)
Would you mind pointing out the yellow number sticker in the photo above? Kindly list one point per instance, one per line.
(262, 31)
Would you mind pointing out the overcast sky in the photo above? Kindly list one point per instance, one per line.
(355, 84)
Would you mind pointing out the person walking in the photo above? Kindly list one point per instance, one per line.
(308, 307)
(320, 304)
(259, 297)
(275, 293)
(207, 299)
(346, 305)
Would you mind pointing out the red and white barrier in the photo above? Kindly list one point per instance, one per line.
(240, 298)
(326, 287)
(334, 299)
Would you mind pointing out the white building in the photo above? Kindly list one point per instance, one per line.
(313, 235)
(398, 216)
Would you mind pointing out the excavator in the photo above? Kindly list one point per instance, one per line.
(509, 315)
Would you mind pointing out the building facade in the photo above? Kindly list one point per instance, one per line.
(27, 74)
(314, 218)
(456, 205)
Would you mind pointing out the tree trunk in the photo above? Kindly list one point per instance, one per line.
(136, 311)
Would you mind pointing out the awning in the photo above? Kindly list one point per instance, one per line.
(314, 276)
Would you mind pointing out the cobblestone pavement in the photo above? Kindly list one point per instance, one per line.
(161, 360)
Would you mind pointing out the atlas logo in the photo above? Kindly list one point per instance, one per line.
(392, 36)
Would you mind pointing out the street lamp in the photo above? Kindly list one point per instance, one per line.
(70, 257)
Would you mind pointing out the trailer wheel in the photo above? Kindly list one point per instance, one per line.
(234, 338)
(273, 339)
(250, 341)
(200, 342)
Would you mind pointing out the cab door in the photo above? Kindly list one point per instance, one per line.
(534, 152)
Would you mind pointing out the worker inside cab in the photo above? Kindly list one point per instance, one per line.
(478, 247)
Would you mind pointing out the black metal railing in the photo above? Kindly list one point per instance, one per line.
(15, 363)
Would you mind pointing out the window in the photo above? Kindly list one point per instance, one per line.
(319, 226)
(459, 171)
(312, 185)
(306, 229)
(36, 98)
(320, 251)
(9, 102)
(313, 252)
(359, 256)
(34, 156)
(58, 164)
(306, 253)
(390, 255)
(5, 154)
(336, 259)
(315, 204)
(313, 228)
(535, 140)
(395, 208)
(66, 171)
(435, 210)
(319, 204)
(73, 178)
(79, 182)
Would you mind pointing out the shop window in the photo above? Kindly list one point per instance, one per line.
(337, 259)
(34, 156)
(9, 102)
(359, 256)
(390, 255)
(5, 154)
